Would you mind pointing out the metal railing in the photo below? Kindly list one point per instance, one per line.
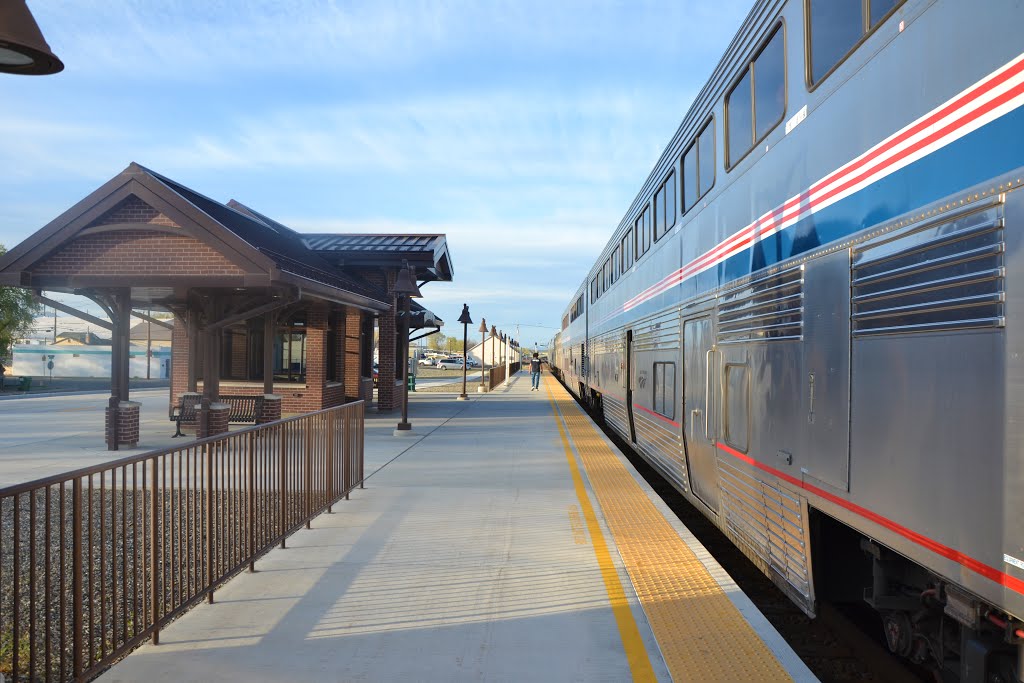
(94, 561)
(497, 374)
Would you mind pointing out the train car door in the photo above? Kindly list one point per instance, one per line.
(627, 378)
(699, 398)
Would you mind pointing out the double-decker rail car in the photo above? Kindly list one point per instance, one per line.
(807, 321)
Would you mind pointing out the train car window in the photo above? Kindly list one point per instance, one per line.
(642, 233)
(739, 113)
(879, 10)
(665, 207)
(699, 166)
(835, 29)
(706, 157)
(647, 229)
(664, 399)
(769, 86)
(690, 178)
(757, 103)
(670, 201)
(659, 213)
(616, 264)
(625, 251)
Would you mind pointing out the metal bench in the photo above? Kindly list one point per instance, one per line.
(186, 411)
(243, 409)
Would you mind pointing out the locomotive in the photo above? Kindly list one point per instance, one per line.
(805, 320)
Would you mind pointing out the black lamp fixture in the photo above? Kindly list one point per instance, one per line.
(23, 50)
(483, 356)
(466, 322)
(405, 288)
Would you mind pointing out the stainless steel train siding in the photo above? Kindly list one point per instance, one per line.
(823, 353)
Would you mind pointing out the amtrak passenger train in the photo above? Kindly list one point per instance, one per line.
(805, 320)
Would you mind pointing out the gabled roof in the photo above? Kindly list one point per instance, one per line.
(84, 338)
(286, 247)
(429, 253)
(139, 331)
(253, 249)
(266, 255)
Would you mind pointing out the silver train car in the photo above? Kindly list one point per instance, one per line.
(806, 321)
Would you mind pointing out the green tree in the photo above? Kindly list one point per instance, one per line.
(17, 309)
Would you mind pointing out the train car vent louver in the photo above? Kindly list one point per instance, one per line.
(943, 275)
(768, 309)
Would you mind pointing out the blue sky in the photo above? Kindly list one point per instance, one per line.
(520, 129)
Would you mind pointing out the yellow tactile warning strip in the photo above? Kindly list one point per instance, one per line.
(636, 654)
(701, 634)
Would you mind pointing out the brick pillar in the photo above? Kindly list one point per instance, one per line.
(127, 423)
(216, 421)
(386, 372)
(179, 358)
(316, 354)
(353, 327)
(270, 411)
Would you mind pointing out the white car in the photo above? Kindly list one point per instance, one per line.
(426, 361)
(450, 363)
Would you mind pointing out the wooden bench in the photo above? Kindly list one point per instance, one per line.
(243, 409)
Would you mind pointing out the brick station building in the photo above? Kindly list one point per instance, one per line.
(259, 309)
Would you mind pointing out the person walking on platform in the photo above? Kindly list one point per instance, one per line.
(535, 371)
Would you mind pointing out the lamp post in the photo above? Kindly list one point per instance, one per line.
(466, 321)
(483, 355)
(23, 50)
(406, 289)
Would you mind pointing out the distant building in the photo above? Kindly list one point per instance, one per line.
(157, 335)
(81, 339)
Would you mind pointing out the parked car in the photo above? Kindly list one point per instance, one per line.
(374, 374)
(472, 363)
(450, 364)
(426, 361)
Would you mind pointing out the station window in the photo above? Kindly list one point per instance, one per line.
(757, 103)
(665, 389)
(665, 207)
(835, 29)
(625, 252)
(642, 233)
(699, 166)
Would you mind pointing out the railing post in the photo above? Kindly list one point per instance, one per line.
(209, 521)
(251, 462)
(309, 470)
(154, 546)
(360, 432)
(331, 425)
(76, 568)
(346, 447)
(284, 479)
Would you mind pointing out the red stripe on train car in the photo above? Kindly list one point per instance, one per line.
(991, 573)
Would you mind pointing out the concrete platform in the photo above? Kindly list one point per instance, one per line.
(479, 550)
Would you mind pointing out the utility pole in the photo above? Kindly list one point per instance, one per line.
(54, 325)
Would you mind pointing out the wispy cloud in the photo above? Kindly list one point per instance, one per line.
(522, 129)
